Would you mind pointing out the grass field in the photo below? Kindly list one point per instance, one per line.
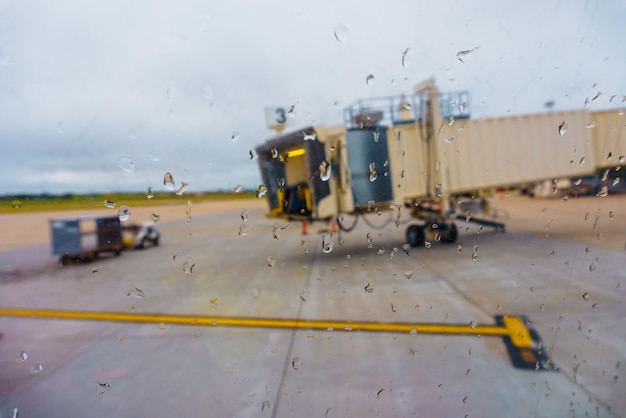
(53, 203)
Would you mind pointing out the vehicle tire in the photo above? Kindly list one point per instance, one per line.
(415, 235)
(451, 235)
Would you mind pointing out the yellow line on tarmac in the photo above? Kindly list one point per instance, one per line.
(513, 326)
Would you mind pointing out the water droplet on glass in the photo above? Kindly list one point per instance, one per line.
(615, 181)
(296, 363)
(449, 140)
(155, 217)
(270, 261)
(459, 248)
(341, 32)
(475, 253)
(369, 287)
(468, 216)
(405, 59)
(274, 152)
(577, 182)
(327, 243)
(149, 193)
(621, 159)
(109, 204)
(244, 215)
(237, 188)
(188, 211)
(36, 369)
(562, 128)
(183, 184)
(234, 137)
(413, 331)
(22, 357)
(408, 274)
(605, 174)
(406, 248)
(370, 80)
(124, 213)
(582, 161)
(465, 52)
(127, 165)
(261, 191)
(188, 266)
(154, 156)
(168, 181)
(309, 135)
(243, 230)
(207, 93)
(325, 170)
(134, 292)
(591, 125)
(597, 96)
(604, 192)
(427, 244)
(586, 296)
(373, 174)
(265, 407)
(586, 102)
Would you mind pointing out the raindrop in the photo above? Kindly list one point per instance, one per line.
(183, 184)
(234, 137)
(127, 165)
(597, 96)
(341, 32)
(604, 192)
(562, 128)
(459, 248)
(465, 399)
(615, 181)
(406, 248)
(465, 52)
(468, 216)
(370, 80)
(36, 369)
(586, 102)
(14, 414)
(592, 267)
(408, 274)
(265, 407)
(168, 181)
(304, 247)
(244, 215)
(427, 244)
(22, 357)
(325, 170)
(397, 133)
(296, 363)
(582, 161)
(462, 107)
(155, 217)
(405, 60)
(369, 287)
(605, 175)
(376, 136)
(124, 213)
(103, 387)
(207, 93)
(586, 296)
(475, 253)
(188, 211)
(621, 159)
(251, 155)
(373, 174)
(270, 261)
(243, 230)
(591, 125)
(370, 239)
(380, 393)
(256, 293)
(413, 331)
(188, 266)
(109, 204)
(578, 182)
(154, 156)
(327, 243)
(261, 191)
(134, 292)
(274, 152)
(237, 188)
(149, 193)
(310, 135)
(449, 140)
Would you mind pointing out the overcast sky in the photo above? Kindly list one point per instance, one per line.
(86, 86)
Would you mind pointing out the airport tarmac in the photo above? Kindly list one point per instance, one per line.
(565, 274)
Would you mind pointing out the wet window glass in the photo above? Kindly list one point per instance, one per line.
(312, 209)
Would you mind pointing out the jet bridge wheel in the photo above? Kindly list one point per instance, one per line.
(415, 235)
(451, 235)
